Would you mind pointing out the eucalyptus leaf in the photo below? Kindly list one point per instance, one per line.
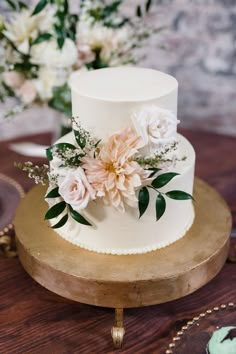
(148, 5)
(81, 141)
(160, 206)
(143, 200)
(178, 195)
(78, 217)
(42, 38)
(55, 210)
(59, 146)
(163, 179)
(61, 222)
(39, 7)
(53, 193)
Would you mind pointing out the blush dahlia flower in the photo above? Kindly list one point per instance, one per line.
(113, 173)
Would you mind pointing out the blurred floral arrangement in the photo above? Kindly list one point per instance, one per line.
(41, 47)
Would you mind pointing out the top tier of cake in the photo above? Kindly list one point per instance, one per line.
(104, 99)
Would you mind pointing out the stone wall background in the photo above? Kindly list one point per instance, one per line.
(200, 51)
(200, 42)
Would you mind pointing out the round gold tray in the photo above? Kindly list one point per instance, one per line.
(124, 281)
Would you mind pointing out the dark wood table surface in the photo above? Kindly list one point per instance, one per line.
(33, 320)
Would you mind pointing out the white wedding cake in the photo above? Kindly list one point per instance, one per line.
(121, 182)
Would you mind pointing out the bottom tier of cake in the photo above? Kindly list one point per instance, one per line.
(124, 233)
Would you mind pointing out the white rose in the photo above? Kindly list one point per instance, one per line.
(76, 190)
(27, 92)
(13, 79)
(48, 54)
(22, 29)
(156, 126)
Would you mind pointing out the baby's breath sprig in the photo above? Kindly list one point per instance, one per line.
(82, 136)
(159, 158)
(38, 173)
(67, 156)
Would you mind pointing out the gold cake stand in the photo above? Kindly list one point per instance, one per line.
(124, 281)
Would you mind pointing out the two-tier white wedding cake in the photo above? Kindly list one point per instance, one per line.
(121, 182)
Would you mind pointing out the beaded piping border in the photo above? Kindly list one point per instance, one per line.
(6, 240)
(196, 319)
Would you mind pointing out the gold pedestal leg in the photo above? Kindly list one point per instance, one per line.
(118, 331)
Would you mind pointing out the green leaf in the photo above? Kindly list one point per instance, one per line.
(81, 141)
(53, 193)
(148, 5)
(39, 7)
(42, 38)
(22, 5)
(178, 195)
(60, 34)
(111, 8)
(12, 4)
(97, 143)
(163, 179)
(61, 222)
(55, 210)
(154, 171)
(59, 146)
(78, 217)
(61, 100)
(143, 200)
(160, 206)
(60, 41)
(139, 11)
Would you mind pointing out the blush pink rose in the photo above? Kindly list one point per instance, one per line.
(76, 190)
(27, 92)
(13, 79)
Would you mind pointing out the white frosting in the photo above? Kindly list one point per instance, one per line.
(103, 100)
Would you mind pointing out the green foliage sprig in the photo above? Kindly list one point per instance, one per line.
(59, 208)
(159, 182)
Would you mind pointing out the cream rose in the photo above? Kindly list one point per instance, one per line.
(156, 126)
(76, 190)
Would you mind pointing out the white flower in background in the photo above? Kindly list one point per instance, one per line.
(49, 77)
(76, 190)
(13, 79)
(22, 29)
(45, 82)
(48, 54)
(27, 92)
(98, 37)
(156, 126)
(46, 19)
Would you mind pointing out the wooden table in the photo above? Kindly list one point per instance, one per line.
(33, 320)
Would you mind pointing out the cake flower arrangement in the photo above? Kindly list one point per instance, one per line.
(41, 47)
(117, 171)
